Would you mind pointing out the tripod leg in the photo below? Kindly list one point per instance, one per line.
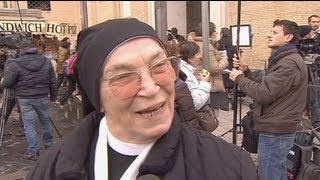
(55, 127)
(3, 113)
(240, 115)
(2, 124)
(226, 133)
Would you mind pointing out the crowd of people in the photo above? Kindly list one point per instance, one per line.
(141, 103)
(29, 77)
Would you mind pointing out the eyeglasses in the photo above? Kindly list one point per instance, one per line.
(128, 84)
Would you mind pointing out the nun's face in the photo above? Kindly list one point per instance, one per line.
(137, 91)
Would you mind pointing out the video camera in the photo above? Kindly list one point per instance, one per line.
(12, 39)
(310, 51)
(308, 46)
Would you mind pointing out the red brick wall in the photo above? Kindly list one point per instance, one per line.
(261, 14)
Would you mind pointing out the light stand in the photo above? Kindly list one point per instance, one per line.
(236, 92)
(244, 41)
(237, 124)
(235, 102)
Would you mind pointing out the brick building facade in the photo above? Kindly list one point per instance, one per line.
(261, 14)
(66, 18)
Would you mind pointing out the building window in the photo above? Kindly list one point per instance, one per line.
(43, 5)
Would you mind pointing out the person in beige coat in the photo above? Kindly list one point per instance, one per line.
(63, 55)
(218, 62)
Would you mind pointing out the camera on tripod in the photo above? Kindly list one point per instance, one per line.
(309, 46)
(303, 158)
(13, 39)
(310, 51)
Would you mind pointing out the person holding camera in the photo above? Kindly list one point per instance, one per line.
(314, 22)
(309, 48)
(280, 98)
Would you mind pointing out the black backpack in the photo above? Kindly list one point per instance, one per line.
(250, 137)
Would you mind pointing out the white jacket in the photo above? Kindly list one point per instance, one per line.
(200, 91)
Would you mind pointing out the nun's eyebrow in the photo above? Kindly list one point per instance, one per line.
(121, 67)
(132, 67)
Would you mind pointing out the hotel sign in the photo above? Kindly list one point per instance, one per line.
(39, 27)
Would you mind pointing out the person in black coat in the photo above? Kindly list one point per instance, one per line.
(173, 34)
(225, 43)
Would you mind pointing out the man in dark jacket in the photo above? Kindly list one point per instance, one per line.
(134, 131)
(225, 43)
(33, 79)
(173, 34)
(280, 96)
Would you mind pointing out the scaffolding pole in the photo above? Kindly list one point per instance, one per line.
(205, 34)
(84, 14)
(161, 19)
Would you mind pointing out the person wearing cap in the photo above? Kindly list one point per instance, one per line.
(134, 132)
(33, 80)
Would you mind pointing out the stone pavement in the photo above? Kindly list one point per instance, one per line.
(224, 129)
(14, 167)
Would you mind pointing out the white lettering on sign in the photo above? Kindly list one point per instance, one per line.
(38, 27)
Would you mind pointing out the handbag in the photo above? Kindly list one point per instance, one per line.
(250, 136)
(207, 118)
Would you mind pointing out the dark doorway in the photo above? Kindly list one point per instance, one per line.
(194, 14)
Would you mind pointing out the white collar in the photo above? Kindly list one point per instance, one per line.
(101, 155)
(188, 66)
(123, 147)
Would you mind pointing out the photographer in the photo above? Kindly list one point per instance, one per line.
(309, 47)
(314, 22)
(314, 94)
(280, 98)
